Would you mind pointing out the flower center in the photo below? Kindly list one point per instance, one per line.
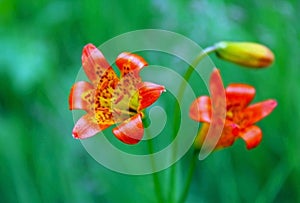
(235, 114)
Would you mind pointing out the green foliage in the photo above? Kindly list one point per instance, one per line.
(41, 44)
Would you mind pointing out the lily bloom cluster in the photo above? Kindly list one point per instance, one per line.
(240, 116)
(109, 100)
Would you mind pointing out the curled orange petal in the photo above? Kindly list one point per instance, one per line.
(200, 109)
(216, 86)
(130, 131)
(258, 111)
(81, 95)
(87, 127)
(128, 62)
(95, 64)
(239, 95)
(149, 93)
(218, 97)
(252, 136)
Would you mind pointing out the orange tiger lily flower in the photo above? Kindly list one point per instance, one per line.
(108, 99)
(240, 116)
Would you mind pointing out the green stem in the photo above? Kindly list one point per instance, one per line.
(187, 75)
(189, 177)
(157, 186)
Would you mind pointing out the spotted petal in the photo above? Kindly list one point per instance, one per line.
(128, 62)
(149, 93)
(252, 136)
(239, 95)
(200, 109)
(81, 96)
(130, 131)
(87, 127)
(218, 98)
(258, 111)
(95, 66)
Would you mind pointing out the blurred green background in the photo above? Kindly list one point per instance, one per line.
(40, 55)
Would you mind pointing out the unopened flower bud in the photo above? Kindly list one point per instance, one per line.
(245, 53)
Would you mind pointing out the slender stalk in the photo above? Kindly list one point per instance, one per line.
(157, 186)
(189, 177)
(182, 87)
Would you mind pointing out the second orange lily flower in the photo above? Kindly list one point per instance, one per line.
(240, 116)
